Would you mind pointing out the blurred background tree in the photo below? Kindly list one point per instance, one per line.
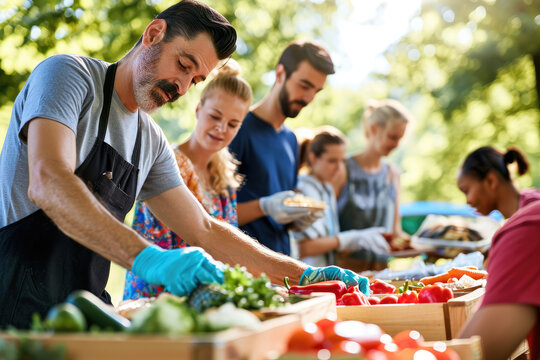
(470, 71)
(467, 70)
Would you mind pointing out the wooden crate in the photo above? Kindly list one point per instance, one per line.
(269, 340)
(436, 321)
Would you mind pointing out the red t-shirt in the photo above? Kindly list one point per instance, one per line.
(527, 196)
(514, 268)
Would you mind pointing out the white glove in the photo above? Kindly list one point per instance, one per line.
(369, 239)
(306, 221)
(273, 206)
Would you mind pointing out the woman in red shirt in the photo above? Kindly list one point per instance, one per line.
(510, 310)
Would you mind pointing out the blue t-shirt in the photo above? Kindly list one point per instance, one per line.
(269, 162)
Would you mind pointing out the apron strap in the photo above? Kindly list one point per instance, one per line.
(137, 149)
(108, 88)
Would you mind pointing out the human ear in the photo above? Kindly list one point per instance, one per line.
(154, 32)
(492, 180)
(311, 158)
(280, 73)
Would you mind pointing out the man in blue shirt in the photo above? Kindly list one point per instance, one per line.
(268, 150)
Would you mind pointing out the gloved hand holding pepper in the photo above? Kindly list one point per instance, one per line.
(179, 270)
(369, 239)
(317, 274)
(274, 207)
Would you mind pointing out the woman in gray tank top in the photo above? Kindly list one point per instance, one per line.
(369, 196)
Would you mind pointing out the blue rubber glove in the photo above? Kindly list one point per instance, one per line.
(317, 274)
(179, 270)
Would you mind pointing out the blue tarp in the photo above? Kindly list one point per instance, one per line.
(423, 208)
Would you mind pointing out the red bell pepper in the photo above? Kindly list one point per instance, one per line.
(435, 294)
(381, 287)
(354, 298)
(408, 297)
(336, 287)
(373, 300)
(390, 299)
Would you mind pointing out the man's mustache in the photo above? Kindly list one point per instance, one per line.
(299, 102)
(170, 89)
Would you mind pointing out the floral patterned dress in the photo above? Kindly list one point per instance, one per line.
(222, 207)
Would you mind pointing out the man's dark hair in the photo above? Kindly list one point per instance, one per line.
(315, 54)
(189, 18)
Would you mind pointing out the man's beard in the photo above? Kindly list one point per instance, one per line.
(285, 103)
(147, 96)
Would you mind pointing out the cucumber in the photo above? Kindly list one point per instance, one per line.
(97, 312)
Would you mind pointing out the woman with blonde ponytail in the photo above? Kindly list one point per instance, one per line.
(205, 163)
(369, 192)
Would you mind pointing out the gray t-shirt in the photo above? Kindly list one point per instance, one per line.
(368, 199)
(69, 89)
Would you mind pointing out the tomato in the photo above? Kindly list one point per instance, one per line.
(408, 339)
(327, 324)
(347, 347)
(373, 300)
(307, 338)
(390, 299)
(367, 335)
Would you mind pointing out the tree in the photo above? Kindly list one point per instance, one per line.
(470, 72)
(31, 30)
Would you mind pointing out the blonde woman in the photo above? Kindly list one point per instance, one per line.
(370, 194)
(205, 163)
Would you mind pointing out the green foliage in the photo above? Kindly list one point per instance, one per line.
(240, 288)
(467, 72)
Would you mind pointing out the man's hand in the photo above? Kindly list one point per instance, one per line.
(274, 207)
(179, 270)
(317, 274)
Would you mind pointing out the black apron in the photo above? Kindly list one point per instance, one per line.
(40, 265)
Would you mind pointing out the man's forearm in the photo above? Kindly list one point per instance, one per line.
(248, 211)
(76, 211)
(230, 245)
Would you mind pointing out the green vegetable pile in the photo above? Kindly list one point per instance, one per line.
(240, 288)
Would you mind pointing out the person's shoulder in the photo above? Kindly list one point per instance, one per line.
(526, 219)
(69, 61)
(528, 196)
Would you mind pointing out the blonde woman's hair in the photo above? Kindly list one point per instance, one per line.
(222, 166)
(383, 113)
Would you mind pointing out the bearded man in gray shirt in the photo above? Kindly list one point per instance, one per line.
(80, 148)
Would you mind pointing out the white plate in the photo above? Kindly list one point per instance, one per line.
(422, 243)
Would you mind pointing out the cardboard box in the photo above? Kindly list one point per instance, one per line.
(436, 321)
(269, 340)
